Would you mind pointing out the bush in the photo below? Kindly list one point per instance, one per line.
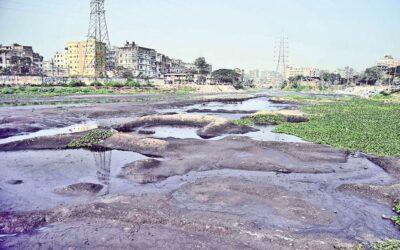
(7, 91)
(132, 83)
(96, 84)
(238, 86)
(114, 84)
(74, 83)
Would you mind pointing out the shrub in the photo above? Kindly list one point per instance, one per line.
(114, 84)
(132, 83)
(74, 83)
(96, 84)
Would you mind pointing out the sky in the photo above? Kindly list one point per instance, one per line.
(327, 34)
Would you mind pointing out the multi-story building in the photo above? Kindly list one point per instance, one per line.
(147, 63)
(86, 58)
(388, 62)
(19, 59)
(140, 60)
(254, 74)
(291, 71)
(57, 66)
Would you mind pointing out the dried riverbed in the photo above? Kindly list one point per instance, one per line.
(159, 185)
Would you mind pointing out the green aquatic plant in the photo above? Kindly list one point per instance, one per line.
(262, 119)
(387, 245)
(364, 125)
(90, 139)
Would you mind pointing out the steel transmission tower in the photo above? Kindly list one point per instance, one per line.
(98, 30)
(281, 54)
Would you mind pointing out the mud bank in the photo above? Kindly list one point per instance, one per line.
(209, 126)
(27, 119)
(183, 156)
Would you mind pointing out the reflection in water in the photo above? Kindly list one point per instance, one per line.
(103, 165)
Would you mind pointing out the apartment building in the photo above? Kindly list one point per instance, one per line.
(140, 60)
(291, 71)
(86, 58)
(19, 59)
(57, 66)
(388, 62)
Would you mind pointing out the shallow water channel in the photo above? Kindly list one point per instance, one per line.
(43, 171)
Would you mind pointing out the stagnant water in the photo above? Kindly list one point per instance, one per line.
(261, 103)
(43, 171)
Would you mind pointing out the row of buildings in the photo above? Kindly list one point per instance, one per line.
(313, 73)
(18, 60)
(91, 59)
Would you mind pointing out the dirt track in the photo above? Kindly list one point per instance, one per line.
(227, 193)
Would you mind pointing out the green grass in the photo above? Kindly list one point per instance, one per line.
(51, 91)
(387, 245)
(312, 99)
(261, 119)
(396, 219)
(90, 139)
(364, 125)
(110, 88)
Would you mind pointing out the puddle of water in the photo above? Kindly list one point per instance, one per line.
(53, 131)
(261, 103)
(43, 171)
(256, 104)
(178, 132)
(266, 134)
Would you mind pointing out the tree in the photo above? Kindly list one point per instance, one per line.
(202, 66)
(370, 75)
(328, 77)
(226, 76)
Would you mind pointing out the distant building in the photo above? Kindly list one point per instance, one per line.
(388, 62)
(57, 66)
(291, 71)
(140, 60)
(20, 60)
(254, 74)
(86, 58)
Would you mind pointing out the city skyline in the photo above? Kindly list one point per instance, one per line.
(330, 35)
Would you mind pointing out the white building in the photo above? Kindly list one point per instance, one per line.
(57, 66)
(388, 62)
(291, 71)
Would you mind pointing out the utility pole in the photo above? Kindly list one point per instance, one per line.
(281, 54)
(97, 31)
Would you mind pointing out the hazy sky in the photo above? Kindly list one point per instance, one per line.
(229, 33)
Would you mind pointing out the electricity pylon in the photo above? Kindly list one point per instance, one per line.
(281, 54)
(97, 31)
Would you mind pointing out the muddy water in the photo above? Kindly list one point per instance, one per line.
(261, 103)
(43, 171)
(54, 131)
(255, 104)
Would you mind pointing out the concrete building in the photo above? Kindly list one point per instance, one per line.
(388, 62)
(57, 66)
(291, 71)
(140, 60)
(86, 58)
(254, 74)
(20, 60)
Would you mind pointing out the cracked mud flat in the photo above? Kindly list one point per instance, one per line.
(232, 192)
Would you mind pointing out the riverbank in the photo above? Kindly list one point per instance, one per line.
(178, 171)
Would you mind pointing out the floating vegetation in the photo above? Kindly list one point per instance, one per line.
(90, 139)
